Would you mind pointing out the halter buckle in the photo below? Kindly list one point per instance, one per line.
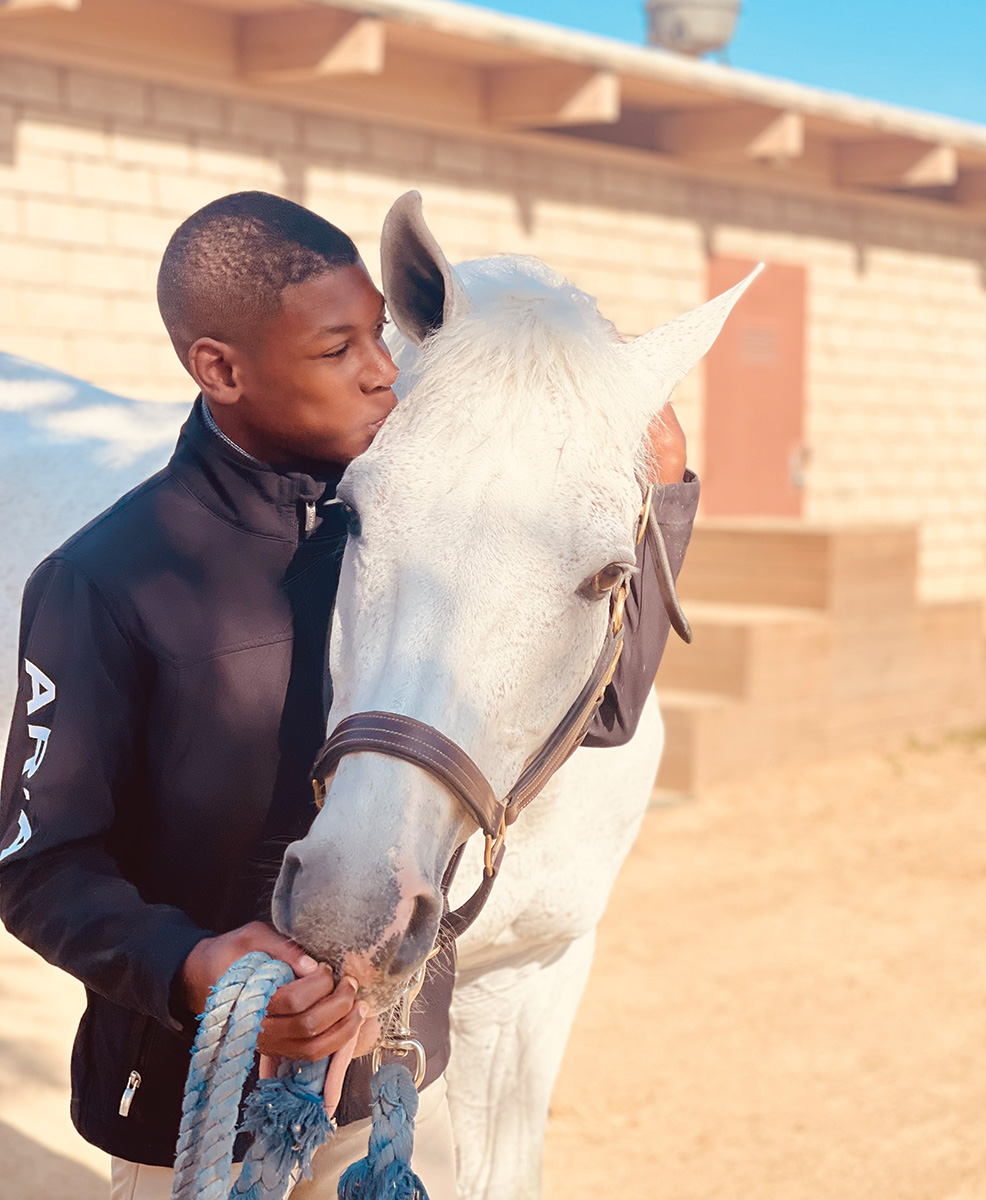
(403, 1047)
(319, 789)
(494, 845)
(402, 1041)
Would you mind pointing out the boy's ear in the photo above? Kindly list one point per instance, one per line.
(421, 289)
(211, 365)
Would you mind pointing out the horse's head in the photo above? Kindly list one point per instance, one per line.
(493, 514)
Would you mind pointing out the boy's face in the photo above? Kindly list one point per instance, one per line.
(317, 383)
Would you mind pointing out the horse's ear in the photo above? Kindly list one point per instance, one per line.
(673, 349)
(419, 286)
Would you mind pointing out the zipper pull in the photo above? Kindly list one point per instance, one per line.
(133, 1083)
(309, 517)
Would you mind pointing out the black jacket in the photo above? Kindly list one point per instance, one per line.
(172, 699)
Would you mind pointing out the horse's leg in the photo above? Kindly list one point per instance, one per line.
(510, 1024)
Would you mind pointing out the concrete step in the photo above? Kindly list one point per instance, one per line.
(857, 573)
(791, 686)
(748, 651)
(713, 738)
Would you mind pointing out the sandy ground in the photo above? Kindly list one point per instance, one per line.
(788, 1003)
(789, 996)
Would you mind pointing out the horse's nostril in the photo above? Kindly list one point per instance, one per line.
(283, 892)
(419, 937)
(290, 870)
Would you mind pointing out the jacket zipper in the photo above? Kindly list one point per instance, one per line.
(133, 1083)
(309, 517)
(134, 1079)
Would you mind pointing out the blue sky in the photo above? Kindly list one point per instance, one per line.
(913, 52)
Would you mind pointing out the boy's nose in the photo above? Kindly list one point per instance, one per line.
(385, 371)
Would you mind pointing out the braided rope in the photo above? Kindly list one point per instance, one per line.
(386, 1172)
(286, 1115)
(222, 1056)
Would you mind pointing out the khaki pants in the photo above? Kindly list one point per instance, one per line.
(433, 1159)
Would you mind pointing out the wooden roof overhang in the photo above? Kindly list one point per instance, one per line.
(449, 66)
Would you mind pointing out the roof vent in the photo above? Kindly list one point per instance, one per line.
(691, 26)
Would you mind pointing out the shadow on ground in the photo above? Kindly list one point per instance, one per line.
(33, 1172)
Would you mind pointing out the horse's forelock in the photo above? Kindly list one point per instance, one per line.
(533, 349)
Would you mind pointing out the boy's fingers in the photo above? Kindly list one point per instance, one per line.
(269, 1064)
(275, 1038)
(668, 445)
(338, 1065)
(258, 936)
(315, 1021)
(301, 996)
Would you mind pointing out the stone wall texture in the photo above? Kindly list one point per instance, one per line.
(96, 171)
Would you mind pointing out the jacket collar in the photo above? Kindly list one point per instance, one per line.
(249, 494)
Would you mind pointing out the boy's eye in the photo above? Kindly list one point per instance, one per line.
(336, 353)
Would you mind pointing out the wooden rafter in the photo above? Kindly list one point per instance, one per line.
(308, 44)
(552, 94)
(733, 134)
(895, 163)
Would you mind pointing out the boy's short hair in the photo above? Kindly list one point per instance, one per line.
(225, 268)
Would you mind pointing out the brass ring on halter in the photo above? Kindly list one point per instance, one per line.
(619, 603)
(644, 514)
(494, 844)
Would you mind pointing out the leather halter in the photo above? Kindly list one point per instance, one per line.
(413, 741)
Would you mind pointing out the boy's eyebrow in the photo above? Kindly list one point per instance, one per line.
(346, 328)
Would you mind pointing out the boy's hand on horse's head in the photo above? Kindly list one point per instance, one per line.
(211, 958)
(312, 1017)
(309, 1018)
(667, 443)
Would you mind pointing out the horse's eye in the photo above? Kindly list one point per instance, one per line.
(603, 581)
(353, 526)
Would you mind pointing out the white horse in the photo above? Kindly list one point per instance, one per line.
(508, 478)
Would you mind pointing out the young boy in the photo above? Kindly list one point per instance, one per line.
(174, 689)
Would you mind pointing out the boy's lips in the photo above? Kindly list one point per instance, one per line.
(375, 425)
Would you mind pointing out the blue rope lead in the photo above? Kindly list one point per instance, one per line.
(222, 1056)
(385, 1173)
(286, 1115)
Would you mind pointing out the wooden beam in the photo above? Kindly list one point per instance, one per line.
(895, 162)
(9, 7)
(309, 44)
(970, 190)
(552, 94)
(739, 133)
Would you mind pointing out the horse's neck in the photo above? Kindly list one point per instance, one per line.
(564, 850)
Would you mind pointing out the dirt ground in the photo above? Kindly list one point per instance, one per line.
(788, 1003)
(789, 996)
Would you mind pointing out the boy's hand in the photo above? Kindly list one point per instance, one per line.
(667, 441)
(309, 1018)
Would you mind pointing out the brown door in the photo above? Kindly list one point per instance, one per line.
(754, 395)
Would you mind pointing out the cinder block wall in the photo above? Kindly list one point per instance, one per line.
(96, 171)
